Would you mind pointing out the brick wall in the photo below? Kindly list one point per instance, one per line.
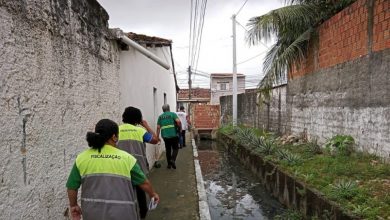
(205, 116)
(344, 85)
(381, 39)
(352, 33)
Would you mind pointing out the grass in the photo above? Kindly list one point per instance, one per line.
(357, 181)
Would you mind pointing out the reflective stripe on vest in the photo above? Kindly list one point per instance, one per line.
(107, 191)
(131, 140)
(167, 126)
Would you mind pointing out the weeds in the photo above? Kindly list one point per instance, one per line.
(344, 190)
(360, 209)
(330, 170)
(313, 148)
(268, 147)
(340, 145)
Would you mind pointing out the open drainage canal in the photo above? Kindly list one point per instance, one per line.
(233, 192)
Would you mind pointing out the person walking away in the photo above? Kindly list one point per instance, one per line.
(169, 124)
(106, 175)
(184, 119)
(132, 139)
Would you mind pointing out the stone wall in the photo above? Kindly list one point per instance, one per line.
(58, 76)
(344, 85)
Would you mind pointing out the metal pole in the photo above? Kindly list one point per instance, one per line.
(189, 83)
(189, 90)
(145, 52)
(234, 72)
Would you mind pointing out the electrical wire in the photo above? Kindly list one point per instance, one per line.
(249, 59)
(241, 7)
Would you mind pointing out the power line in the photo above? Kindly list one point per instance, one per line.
(251, 58)
(189, 39)
(241, 7)
(198, 11)
(199, 34)
(242, 26)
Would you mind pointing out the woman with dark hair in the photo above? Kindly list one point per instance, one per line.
(133, 135)
(107, 175)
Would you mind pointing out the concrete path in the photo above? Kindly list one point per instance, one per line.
(177, 188)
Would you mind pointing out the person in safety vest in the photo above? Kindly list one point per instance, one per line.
(107, 175)
(170, 127)
(132, 139)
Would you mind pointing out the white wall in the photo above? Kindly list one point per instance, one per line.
(138, 76)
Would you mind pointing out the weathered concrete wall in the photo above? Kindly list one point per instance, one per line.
(58, 77)
(344, 85)
(351, 98)
(271, 115)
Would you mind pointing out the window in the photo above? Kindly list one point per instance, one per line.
(223, 86)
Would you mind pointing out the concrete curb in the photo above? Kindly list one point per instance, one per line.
(204, 211)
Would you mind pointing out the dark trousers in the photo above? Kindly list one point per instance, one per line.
(183, 138)
(171, 148)
(142, 203)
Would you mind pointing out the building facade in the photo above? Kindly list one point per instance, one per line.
(221, 84)
(146, 85)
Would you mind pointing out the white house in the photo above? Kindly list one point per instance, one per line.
(147, 85)
(221, 84)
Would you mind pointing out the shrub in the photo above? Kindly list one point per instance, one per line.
(340, 145)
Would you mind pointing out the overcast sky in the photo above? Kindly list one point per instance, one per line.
(170, 19)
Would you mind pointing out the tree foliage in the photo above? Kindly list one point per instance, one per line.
(293, 27)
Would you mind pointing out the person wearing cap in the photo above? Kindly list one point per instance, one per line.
(170, 126)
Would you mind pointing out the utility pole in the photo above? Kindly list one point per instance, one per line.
(189, 91)
(189, 83)
(234, 72)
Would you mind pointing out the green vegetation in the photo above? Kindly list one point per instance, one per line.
(358, 181)
(293, 27)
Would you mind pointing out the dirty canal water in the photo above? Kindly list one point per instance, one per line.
(232, 191)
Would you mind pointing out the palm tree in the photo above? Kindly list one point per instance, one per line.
(293, 27)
